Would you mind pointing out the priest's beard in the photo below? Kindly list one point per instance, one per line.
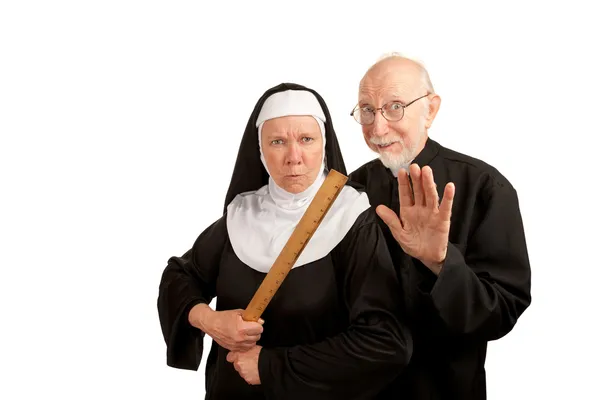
(397, 161)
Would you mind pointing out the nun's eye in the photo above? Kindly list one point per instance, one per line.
(307, 139)
(277, 141)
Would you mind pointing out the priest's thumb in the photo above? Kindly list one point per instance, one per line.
(389, 217)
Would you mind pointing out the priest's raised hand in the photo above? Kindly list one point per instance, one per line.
(423, 226)
(227, 328)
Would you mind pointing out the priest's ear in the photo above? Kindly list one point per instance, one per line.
(434, 105)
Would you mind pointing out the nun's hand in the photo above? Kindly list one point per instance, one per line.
(246, 364)
(423, 226)
(227, 328)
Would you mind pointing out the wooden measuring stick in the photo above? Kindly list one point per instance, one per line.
(310, 221)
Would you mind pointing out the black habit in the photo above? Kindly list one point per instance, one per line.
(334, 330)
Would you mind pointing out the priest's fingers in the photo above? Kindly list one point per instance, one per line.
(389, 217)
(404, 190)
(417, 185)
(431, 195)
(447, 200)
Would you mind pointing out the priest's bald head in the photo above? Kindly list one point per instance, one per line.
(396, 106)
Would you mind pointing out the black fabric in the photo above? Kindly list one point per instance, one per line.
(484, 286)
(333, 330)
(249, 172)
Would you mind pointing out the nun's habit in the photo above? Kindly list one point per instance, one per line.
(332, 329)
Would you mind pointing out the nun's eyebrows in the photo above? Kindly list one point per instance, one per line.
(315, 132)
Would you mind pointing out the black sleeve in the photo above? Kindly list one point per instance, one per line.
(484, 293)
(186, 281)
(360, 361)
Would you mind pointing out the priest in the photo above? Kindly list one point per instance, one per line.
(463, 260)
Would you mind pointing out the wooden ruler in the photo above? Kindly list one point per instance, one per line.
(310, 221)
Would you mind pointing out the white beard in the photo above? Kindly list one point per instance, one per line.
(397, 161)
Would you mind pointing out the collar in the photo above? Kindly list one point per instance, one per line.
(429, 152)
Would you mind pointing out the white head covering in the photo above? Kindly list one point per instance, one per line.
(259, 223)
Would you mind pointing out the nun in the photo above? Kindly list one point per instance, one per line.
(334, 329)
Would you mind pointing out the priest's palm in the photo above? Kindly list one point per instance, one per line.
(423, 225)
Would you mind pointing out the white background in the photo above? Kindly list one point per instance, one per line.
(120, 123)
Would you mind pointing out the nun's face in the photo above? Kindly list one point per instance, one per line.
(293, 151)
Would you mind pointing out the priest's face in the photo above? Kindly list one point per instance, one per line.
(293, 151)
(390, 85)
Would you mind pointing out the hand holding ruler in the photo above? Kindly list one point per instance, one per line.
(310, 221)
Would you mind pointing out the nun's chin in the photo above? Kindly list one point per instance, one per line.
(295, 184)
